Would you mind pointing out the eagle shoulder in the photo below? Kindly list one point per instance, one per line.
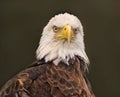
(19, 84)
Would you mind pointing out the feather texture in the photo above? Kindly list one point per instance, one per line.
(48, 80)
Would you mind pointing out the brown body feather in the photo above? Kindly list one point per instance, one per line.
(47, 80)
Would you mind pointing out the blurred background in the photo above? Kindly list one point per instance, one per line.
(21, 24)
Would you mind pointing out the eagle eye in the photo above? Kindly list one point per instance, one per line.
(55, 28)
(76, 30)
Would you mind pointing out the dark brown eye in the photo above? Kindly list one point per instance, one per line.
(76, 30)
(56, 29)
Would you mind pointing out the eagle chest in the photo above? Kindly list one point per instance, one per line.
(59, 81)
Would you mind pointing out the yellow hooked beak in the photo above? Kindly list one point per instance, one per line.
(66, 33)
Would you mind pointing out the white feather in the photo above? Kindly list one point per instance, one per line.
(49, 49)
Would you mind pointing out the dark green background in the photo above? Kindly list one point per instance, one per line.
(21, 23)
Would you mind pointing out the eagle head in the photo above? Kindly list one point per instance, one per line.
(62, 39)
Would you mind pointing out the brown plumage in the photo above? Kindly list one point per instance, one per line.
(48, 80)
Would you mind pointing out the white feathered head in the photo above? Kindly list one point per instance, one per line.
(62, 39)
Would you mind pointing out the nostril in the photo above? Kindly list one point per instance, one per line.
(65, 28)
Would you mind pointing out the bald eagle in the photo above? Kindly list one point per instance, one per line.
(60, 66)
